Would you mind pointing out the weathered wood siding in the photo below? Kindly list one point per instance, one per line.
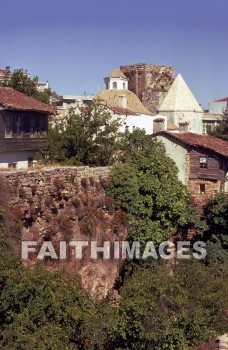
(25, 142)
(215, 165)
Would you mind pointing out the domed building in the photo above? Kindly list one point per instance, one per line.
(125, 105)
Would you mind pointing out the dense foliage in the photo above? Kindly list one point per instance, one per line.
(20, 81)
(43, 310)
(87, 136)
(216, 232)
(146, 186)
(175, 307)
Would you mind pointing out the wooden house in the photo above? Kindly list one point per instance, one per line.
(202, 161)
(23, 128)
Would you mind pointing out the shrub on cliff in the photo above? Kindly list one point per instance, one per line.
(89, 136)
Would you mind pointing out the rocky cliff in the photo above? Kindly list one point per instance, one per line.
(64, 204)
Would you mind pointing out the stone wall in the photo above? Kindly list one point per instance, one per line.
(211, 187)
(45, 177)
(149, 82)
(63, 204)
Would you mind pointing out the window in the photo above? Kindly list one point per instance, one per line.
(203, 162)
(18, 123)
(122, 101)
(202, 188)
(209, 126)
(124, 86)
(30, 162)
(114, 85)
(8, 126)
(12, 165)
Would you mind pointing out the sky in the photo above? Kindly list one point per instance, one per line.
(75, 44)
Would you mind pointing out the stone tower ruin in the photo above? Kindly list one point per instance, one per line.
(149, 82)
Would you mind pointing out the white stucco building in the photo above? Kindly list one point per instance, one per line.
(218, 106)
(181, 108)
(127, 107)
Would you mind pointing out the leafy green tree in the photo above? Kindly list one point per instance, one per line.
(88, 136)
(20, 81)
(221, 131)
(146, 186)
(173, 306)
(216, 234)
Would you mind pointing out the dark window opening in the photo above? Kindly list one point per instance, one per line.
(30, 162)
(19, 125)
(203, 162)
(114, 85)
(12, 165)
(202, 188)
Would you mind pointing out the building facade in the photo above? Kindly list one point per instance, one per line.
(23, 128)
(127, 107)
(202, 162)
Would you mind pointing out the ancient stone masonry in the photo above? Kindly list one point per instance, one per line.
(68, 203)
(211, 187)
(149, 82)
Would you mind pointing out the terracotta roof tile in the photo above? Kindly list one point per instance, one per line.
(111, 97)
(205, 141)
(15, 100)
(122, 111)
(225, 99)
(117, 73)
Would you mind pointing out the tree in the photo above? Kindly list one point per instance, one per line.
(221, 131)
(146, 186)
(175, 307)
(88, 136)
(20, 81)
(216, 234)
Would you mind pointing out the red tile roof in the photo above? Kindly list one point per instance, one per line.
(13, 100)
(205, 141)
(225, 99)
(122, 111)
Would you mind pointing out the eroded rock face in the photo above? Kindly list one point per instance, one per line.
(65, 204)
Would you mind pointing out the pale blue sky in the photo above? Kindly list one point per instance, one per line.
(74, 44)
